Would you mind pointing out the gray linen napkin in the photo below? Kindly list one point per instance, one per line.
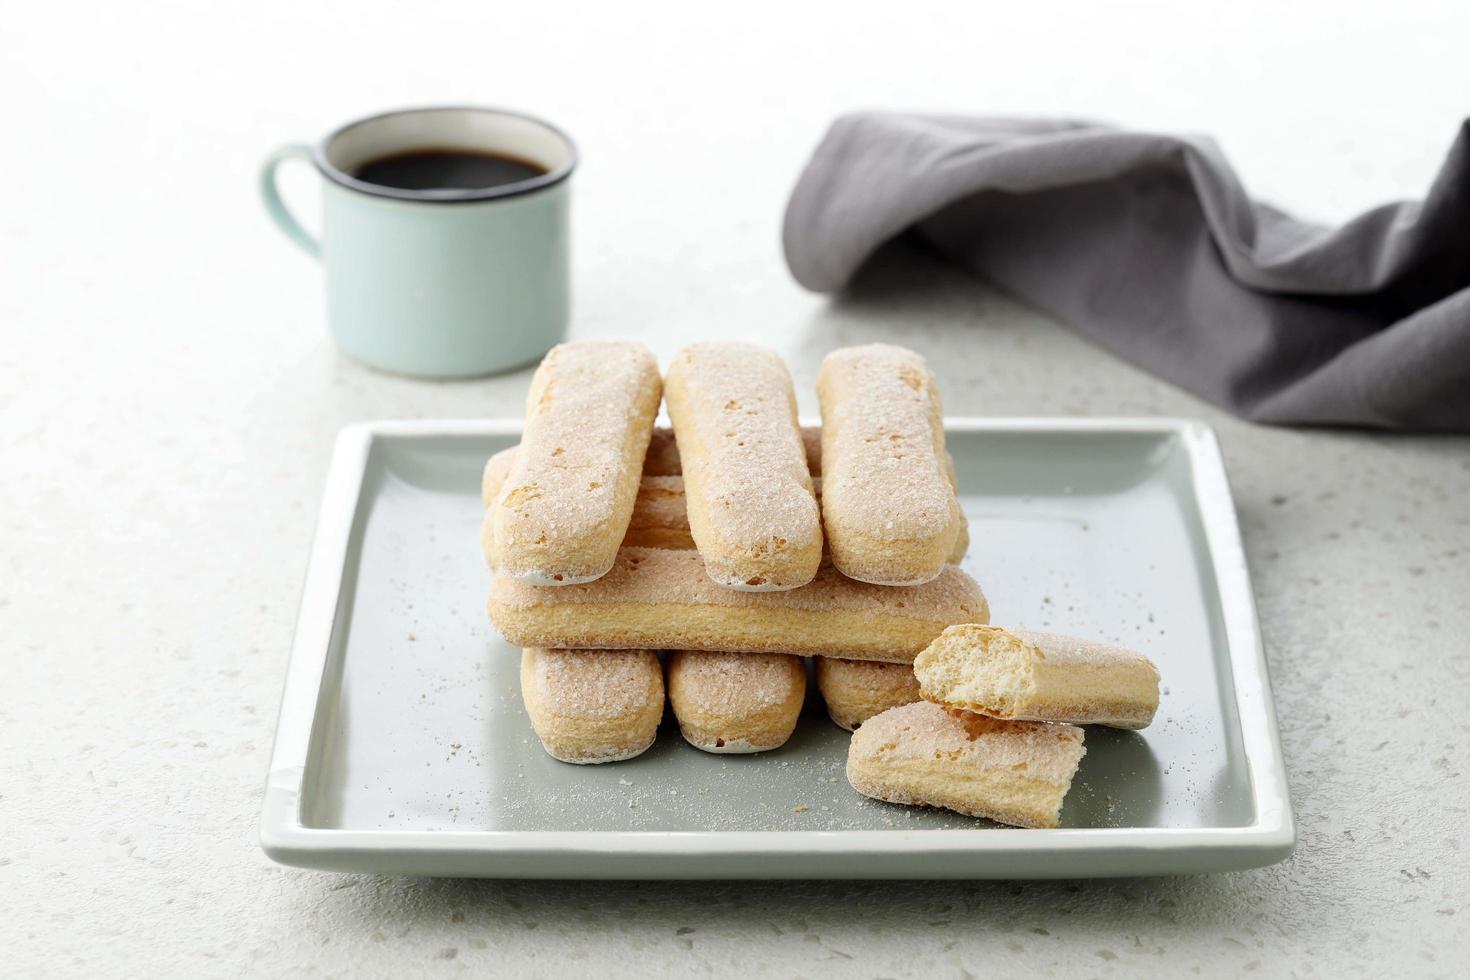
(1149, 245)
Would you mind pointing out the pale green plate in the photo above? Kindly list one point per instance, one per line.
(402, 746)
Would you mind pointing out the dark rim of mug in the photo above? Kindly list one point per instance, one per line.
(448, 195)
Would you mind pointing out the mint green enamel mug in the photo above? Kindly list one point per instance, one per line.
(446, 282)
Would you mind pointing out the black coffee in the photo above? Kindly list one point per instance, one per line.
(423, 170)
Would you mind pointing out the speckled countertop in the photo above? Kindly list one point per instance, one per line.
(168, 399)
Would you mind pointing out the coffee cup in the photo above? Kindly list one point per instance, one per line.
(445, 237)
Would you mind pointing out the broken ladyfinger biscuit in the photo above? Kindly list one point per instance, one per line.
(1035, 676)
(1013, 772)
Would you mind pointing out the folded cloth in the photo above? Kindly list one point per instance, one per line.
(1150, 245)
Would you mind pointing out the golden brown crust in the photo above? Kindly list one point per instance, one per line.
(663, 452)
(662, 599)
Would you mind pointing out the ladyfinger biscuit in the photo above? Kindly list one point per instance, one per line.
(566, 503)
(752, 513)
(663, 599)
(1034, 676)
(663, 452)
(888, 503)
(736, 702)
(590, 706)
(856, 690)
(1013, 772)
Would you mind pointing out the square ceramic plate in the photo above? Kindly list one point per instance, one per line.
(402, 746)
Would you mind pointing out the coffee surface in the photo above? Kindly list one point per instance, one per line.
(419, 170)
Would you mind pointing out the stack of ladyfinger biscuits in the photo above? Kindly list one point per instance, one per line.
(741, 543)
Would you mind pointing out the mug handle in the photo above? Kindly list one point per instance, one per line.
(276, 207)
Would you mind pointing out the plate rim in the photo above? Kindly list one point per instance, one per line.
(1269, 837)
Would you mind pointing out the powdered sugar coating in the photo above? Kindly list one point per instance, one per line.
(566, 503)
(752, 512)
(889, 505)
(736, 702)
(663, 452)
(595, 683)
(593, 706)
(738, 684)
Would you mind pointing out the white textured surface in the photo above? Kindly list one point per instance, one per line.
(168, 396)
